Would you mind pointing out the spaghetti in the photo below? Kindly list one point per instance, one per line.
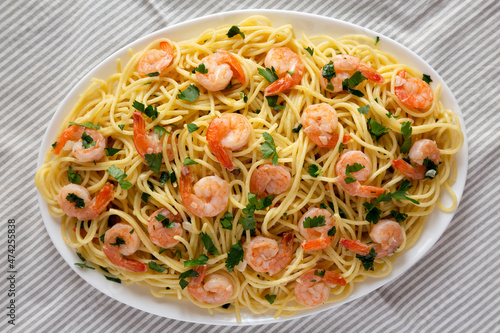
(173, 103)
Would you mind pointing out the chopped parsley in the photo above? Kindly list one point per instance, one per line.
(399, 217)
(297, 129)
(235, 30)
(315, 221)
(389, 115)
(87, 141)
(431, 168)
(165, 176)
(165, 222)
(314, 170)
(201, 69)
(234, 256)
(368, 260)
(155, 267)
(192, 127)
(309, 50)
(201, 260)
(87, 124)
(112, 278)
(209, 244)
(160, 131)
(328, 71)
(154, 161)
(248, 222)
(121, 127)
(364, 109)
(426, 78)
(150, 111)
(332, 231)
(377, 39)
(406, 131)
(80, 256)
(372, 212)
(79, 203)
(319, 272)
(226, 221)
(225, 306)
(244, 96)
(54, 145)
(118, 241)
(191, 93)
(352, 168)
(272, 102)
(188, 161)
(270, 298)
(351, 82)
(73, 177)
(83, 265)
(145, 197)
(110, 151)
(268, 148)
(402, 193)
(119, 175)
(183, 283)
(268, 74)
(153, 74)
(189, 273)
(376, 129)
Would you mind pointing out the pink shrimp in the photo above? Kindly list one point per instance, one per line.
(119, 241)
(75, 201)
(265, 255)
(345, 66)
(149, 143)
(155, 61)
(161, 232)
(320, 123)
(412, 92)
(226, 133)
(387, 236)
(212, 289)
(94, 140)
(355, 188)
(221, 67)
(317, 238)
(210, 197)
(313, 287)
(287, 65)
(270, 179)
(420, 150)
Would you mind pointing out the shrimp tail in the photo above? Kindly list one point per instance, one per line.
(215, 134)
(285, 83)
(234, 65)
(316, 244)
(197, 281)
(355, 246)
(334, 278)
(416, 172)
(139, 133)
(103, 198)
(285, 254)
(370, 73)
(129, 264)
(74, 132)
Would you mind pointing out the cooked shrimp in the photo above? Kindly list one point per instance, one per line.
(266, 255)
(420, 150)
(413, 92)
(287, 65)
(320, 122)
(149, 143)
(119, 241)
(226, 133)
(164, 236)
(316, 238)
(270, 179)
(155, 61)
(210, 197)
(96, 143)
(345, 66)
(221, 67)
(75, 201)
(312, 289)
(212, 289)
(387, 236)
(355, 188)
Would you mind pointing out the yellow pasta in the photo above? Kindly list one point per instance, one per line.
(110, 104)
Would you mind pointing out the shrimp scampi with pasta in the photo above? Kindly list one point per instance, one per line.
(260, 171)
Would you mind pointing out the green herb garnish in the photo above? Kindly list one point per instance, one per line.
(73, 177)
(155, 267)
(315, 221)
(79, 203)
(268, 74)
(268, 148)
(314, 170)
(376, 129)
(191, 93)
(234, 256)
(110, 151)
(209, 244)
(188, 161)
(235, 30)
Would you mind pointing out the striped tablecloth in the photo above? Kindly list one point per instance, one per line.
(46, 46)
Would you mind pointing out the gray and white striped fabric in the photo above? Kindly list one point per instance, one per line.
(46, 46)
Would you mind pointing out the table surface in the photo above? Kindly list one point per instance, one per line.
(46, 46)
